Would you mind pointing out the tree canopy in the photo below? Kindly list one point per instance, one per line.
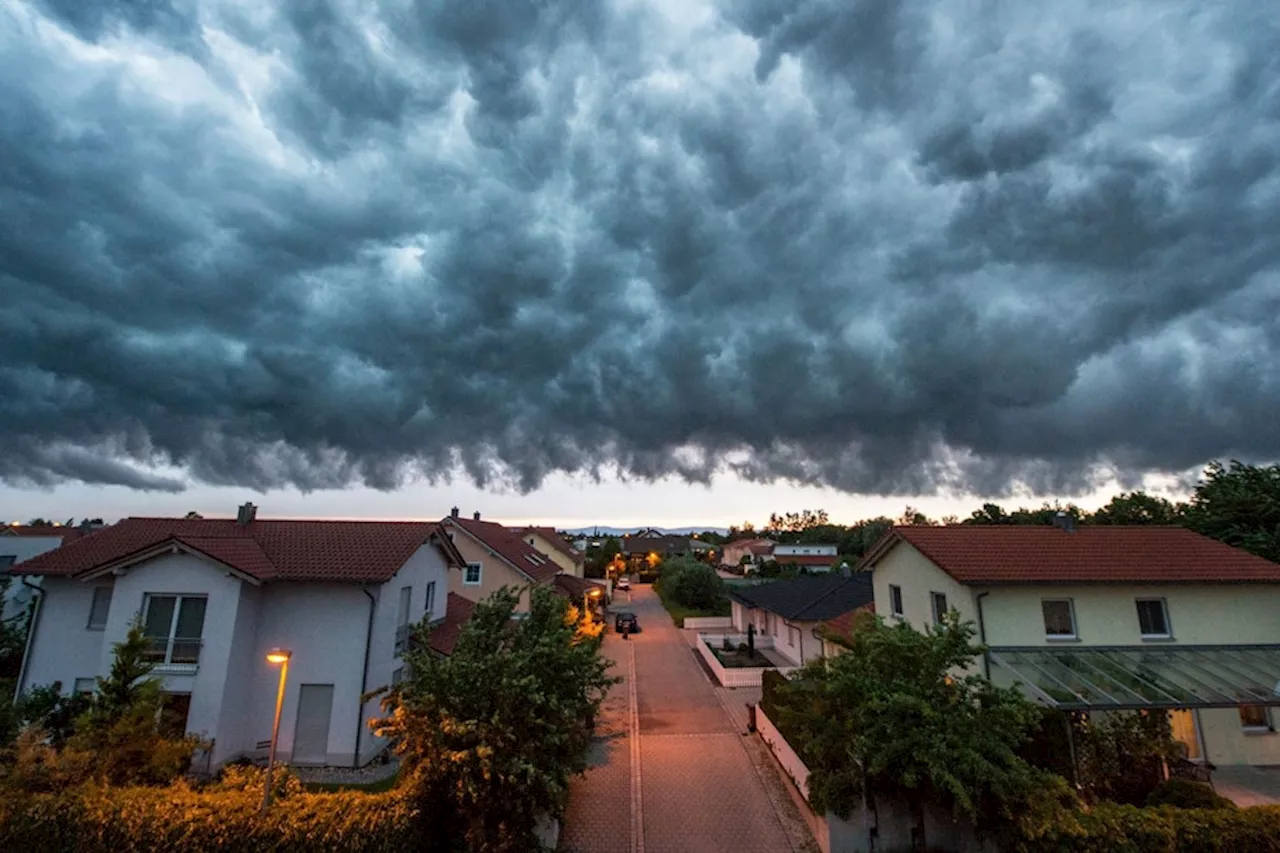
(1239, 504)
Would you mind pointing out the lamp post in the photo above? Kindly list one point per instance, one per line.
(275, 656)
(586, 596)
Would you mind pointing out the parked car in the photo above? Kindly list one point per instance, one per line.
(628, 620)
(624, 582)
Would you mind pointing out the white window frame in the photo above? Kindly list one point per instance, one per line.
(479, 567)
(93, 605)
(1071, 612)
(934, 598)
(431, 598)
(895, 601)
(172, 638)
(79, 686)
(403, 616)
(1168, 623)
(1267, 725)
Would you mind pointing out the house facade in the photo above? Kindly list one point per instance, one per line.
(732, 552)
(21, 542)
(215, 595)
(790, 611)
(495, 556)
(553, 546)
(1107, 618)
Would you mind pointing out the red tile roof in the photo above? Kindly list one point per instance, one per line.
(266, 549)
(1013, 554)
(444, 634)
(67, 533)
(507, 544)
(842, 625)
(555, 540)
(574, 587)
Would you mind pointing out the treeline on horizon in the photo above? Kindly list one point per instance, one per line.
(1233, 502)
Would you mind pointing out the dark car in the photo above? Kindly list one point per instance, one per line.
(627, 621)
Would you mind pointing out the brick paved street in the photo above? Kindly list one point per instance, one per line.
(701, 788)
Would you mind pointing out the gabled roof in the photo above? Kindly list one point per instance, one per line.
(61, 530)
(555, 540)
(264, 549)
(842, 625)
(1013, 554)
(574, 587)
(507, 544)
(809, 599)
(444, 634)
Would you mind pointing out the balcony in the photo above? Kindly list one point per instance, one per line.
(173, 655)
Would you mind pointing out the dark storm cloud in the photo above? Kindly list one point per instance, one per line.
(881, 246)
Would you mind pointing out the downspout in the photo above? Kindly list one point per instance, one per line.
(31, 631)
(982, 635)
(364, 676)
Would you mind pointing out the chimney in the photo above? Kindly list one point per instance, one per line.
(1064, 522)
(246, 515)
(453, 513)
(476, 515)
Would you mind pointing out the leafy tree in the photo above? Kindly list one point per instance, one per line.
(1042, 515)
(490, 735)
(1121, 755)
(1138, 508)
(598, 558)
(1239, 504)
(911, 515)
(691, 583)
(899, 713)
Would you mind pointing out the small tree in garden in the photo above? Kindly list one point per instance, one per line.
(491, 735)
(897, 714)
(691, 583)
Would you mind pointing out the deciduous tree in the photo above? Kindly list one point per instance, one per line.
(1239, 504)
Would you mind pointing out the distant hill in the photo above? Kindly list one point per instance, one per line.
(618, 531)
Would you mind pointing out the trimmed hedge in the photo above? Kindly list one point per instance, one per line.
(1128, 829)
(132, 820)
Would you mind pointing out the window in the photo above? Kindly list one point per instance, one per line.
(939, 603)
(99, 608)
(402, 619)
(793, 636)
(7, 560)
(397, 675)
(471, 574)
(1255, 718)
(1059, 618)
(86, 685)
(895, 600)
(431, 598)
(1153, 618)
(174, 625)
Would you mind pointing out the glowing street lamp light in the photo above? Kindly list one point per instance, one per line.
(594, 592)
(275, 656)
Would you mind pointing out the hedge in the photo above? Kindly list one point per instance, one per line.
(1128, 829)
(132, 820)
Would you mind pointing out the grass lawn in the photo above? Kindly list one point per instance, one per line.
(679, 612)
(371, 788)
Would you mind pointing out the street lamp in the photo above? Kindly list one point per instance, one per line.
(594, 592)
(275, 656)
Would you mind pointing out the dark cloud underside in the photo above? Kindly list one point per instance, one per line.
(880, 246)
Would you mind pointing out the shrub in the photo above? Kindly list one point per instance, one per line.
(124, 820)
(1187, 794)
(1128, 829)
(691, 584)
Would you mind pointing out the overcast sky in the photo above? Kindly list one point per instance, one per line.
(379, 258)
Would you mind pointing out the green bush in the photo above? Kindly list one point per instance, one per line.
(124, 820)
(691, 584)
(1111, 828)
(1187, 794)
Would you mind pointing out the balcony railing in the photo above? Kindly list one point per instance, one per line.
(178, 651)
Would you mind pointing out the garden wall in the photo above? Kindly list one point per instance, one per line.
(735, 676)
(708, 623)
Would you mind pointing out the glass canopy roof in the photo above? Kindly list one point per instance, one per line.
(1127, 677)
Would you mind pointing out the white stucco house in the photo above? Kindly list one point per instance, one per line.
(790, 611)
(1100, 618)
(21, 542)
(216, 594)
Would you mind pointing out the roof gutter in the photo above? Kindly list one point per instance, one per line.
(982, 634)
(32, 622)
(364, 675)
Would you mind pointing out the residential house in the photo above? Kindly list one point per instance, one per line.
(215, 595)
(733, 552)
(790, 610)
(494, 557)
(19, 542)
(638, 547)
(551, 544)
(1107, 618)
(841, 628)
(827, 551)
(581, 592)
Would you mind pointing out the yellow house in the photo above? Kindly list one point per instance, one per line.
(550, 544)
(495, 556)
(1107, 618)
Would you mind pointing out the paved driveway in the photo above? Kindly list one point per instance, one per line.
(688, 780)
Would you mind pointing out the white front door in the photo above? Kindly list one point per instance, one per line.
(311, 735)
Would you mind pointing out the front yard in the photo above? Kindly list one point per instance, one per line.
(738, 659)
(679, 612)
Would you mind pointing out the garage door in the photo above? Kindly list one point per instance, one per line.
(311, 736)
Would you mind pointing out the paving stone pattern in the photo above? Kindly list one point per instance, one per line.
(704, 786)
